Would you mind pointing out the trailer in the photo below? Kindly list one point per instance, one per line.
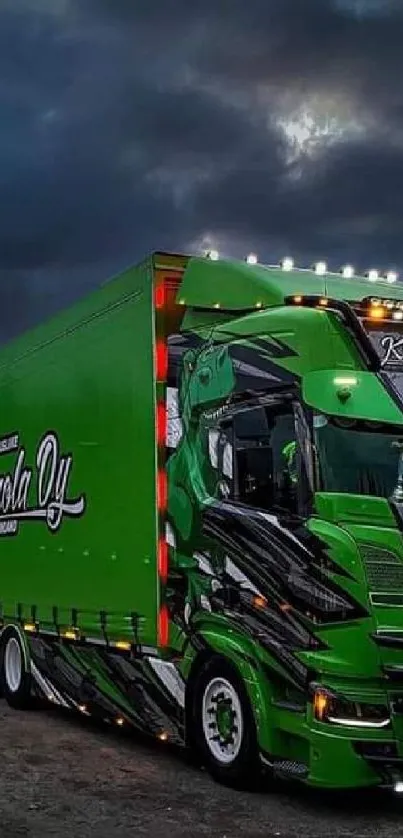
(201, 516)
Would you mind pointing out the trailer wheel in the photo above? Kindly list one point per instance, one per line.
(15, 675)
(224, 726)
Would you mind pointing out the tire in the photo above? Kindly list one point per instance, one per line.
(223, 725)
(15, 675)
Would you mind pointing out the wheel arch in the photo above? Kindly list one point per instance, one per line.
(237, 651)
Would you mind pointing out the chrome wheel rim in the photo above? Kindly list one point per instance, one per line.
(222, 720)
(13, 664)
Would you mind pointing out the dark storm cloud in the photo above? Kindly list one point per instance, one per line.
(128, 126)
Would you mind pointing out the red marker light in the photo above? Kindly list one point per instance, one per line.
(163, 560)
(161, 424)
(161, 360)
(163, 626)
(159, 296)
(162, 490)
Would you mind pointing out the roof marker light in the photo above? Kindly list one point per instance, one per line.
(373, 275)
(398, 315)
(323, 302)
(252, 259)
(213, 255)
(321, 268)
(391, 277)
(297, 299)
(348, 272)
(287, 264)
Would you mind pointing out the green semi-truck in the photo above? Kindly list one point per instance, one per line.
(201, 516)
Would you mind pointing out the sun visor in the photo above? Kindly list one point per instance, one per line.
(350, 394)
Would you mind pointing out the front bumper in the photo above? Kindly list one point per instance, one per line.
(332, 756)
(341, 761)
(384, 759)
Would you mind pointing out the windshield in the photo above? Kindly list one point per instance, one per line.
(358, 457)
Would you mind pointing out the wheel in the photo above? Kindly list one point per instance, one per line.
(15, 675)
(224, 726)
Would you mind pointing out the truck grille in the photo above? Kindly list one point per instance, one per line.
(384, 570)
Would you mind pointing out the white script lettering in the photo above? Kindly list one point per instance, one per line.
(50, 502)
(393, 348)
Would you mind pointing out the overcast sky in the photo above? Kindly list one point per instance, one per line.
(273, 126)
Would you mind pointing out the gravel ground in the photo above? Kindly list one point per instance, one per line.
(60, 776)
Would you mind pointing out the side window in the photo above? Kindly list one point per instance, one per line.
(261, 444)
(221, 456)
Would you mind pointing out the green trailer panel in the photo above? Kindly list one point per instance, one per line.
(78, 443)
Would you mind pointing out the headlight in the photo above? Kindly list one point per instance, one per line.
(333, 709)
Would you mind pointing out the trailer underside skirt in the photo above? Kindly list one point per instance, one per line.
(145, 693)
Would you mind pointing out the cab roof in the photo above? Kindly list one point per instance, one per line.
(234, 285)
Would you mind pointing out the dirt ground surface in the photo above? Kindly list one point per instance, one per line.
(63, 777)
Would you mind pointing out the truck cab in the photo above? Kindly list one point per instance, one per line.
(285, 520)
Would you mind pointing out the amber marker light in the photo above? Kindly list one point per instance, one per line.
(320, 704)
(377, 312)
(124, 645)
(259, 602)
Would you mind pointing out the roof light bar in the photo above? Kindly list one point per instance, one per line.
(391, 305)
